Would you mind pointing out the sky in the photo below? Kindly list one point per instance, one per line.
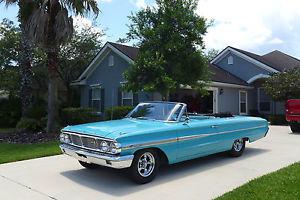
(258, 26)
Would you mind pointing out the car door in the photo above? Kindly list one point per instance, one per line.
(197, 137)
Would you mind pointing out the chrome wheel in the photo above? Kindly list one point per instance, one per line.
(146, 164)
(238, 145)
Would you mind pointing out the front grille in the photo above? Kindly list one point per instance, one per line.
(76, 140)
(89, 142)
(85, 141)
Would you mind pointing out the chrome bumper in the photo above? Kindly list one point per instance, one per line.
(117, 162)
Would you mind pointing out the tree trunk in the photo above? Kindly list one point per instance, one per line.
(25, 72)
(52, 62)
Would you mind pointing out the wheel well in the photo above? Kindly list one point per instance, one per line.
(163, 158)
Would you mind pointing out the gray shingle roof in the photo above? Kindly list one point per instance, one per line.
(220, 75)
(129, 51)
(275, 59)
(281, 61)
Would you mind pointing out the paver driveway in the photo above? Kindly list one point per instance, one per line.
(61, 177)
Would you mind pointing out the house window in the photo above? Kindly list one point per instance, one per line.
(230, 60)
(264, 101)
(111, 61)
(243, 102)
(96, 98)
(127, 98)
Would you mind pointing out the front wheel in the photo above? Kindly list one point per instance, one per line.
(144, 166)
(295, 128)
(238, 148)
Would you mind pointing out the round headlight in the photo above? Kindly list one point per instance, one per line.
(113, 148)
(67, 138)
(62, 137)
(104, 146)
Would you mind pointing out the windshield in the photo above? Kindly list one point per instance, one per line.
(163, 111)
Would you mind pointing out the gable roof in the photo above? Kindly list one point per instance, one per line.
(129, 51)
(276, 60)
(281, 61)
(250, 57)
(126, 52)
(220, 75)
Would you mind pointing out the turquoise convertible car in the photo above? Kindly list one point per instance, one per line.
(155, 133)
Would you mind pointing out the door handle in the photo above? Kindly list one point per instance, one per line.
(214, 126)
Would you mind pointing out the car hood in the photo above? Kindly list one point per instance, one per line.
(116, 128)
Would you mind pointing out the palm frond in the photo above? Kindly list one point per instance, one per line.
(81, 7)
(63, 26)
(37, 26)
(8, 2)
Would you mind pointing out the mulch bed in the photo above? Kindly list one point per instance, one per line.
(27, 137)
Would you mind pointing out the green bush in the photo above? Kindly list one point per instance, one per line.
(10, 112)
(43, 122)
(72, 116)
(118, 112)
(277, 120)
(28, 124)
(37, 112)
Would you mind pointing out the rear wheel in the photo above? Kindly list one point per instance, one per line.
(238, 148)
(88, 165)
(144, 166)
(295, 128)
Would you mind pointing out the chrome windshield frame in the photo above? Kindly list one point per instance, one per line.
(177, 104)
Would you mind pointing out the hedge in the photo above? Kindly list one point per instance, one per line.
(277, 120)
(73, 116)
(118, 112)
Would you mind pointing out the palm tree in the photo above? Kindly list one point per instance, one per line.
(49, 26)
(25, 50)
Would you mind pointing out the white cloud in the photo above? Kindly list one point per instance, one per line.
(139, 3)
(253, 25)
(276, 41)
(83, 22)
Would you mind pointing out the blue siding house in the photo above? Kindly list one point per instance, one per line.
(236, 85)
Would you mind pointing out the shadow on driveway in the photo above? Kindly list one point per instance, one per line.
(116, 182)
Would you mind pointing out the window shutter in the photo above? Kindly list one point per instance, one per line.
(90, 97)
(102, 99)
(135, 98)
(119, 96)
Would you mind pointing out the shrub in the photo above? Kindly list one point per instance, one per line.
(28, 124)
(10, 112)
(72, 116)
(277, 120)
(43, 122)
(118, 112)
(37, 112)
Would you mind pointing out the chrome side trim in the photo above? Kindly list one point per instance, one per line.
(184, 138)
(145, 144)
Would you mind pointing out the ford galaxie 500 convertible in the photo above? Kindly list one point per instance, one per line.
(158, 132)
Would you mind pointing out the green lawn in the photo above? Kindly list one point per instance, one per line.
(282, 184)
(16, 152)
